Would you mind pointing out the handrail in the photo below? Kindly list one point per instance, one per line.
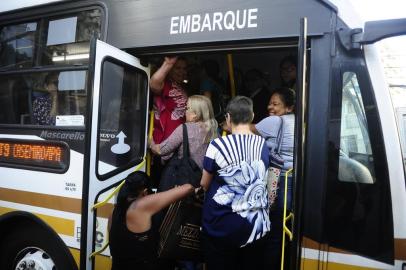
(103, 247)
(231, 74)
(99, 204)
(150, 130)
(285, 229)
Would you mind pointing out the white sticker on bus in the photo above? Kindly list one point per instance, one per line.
(216, 21)
(70, 120)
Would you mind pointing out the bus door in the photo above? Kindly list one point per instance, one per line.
(116, 144)
(364, 226)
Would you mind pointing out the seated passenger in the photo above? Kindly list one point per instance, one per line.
(133, 236)
(45, 105)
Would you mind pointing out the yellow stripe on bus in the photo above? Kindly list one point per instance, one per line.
(76, 255)
(310, 264)
(60, 225)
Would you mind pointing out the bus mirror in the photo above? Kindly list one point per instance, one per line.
(350, 170)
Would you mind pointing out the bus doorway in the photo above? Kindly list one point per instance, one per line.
(256, 73)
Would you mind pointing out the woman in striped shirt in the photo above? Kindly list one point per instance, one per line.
(236, 209)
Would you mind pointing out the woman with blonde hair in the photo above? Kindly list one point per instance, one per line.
(201, 129)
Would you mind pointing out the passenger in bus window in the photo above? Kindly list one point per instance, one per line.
(287, 69)
(201, 129)
(281, 106)
(235, 212)
(256, 88)
(45, 103)
(133, 236)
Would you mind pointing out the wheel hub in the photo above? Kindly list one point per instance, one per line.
(34, 259)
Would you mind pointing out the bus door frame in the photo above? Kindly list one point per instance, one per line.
(92, 185)
(299, 145)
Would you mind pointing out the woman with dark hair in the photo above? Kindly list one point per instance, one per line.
(167, 86)
(133, 238)
(45, 106)
(235, 211)
(170, 98)
(280, 107)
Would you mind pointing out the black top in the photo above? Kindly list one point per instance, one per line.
(260, 98)
(131, 250)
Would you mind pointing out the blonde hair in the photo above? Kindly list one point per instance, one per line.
(203, 109)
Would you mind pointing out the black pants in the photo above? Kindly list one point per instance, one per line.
(156, 170)
(218, 256)
(274, 243)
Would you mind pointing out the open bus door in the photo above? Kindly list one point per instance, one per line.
(363, 224)
(116, 132)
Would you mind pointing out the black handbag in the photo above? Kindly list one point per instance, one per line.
(181, 171)
(180, 231)
(180, 227)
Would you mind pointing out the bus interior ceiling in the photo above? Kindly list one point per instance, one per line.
(266, 61)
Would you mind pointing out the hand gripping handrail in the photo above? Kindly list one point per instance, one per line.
(285, 219)
(100, 204)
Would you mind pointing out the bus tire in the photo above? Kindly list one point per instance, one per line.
(30, 244)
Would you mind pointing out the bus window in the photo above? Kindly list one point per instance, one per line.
(124, 91)
(56, 98)
(356, 161)
(358, 210)
(67, 38)
(17, 45)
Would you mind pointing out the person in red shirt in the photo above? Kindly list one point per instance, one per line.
(167, 85)
(170, 99)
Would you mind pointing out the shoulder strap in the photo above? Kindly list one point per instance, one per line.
(185, 142)
(279, 138)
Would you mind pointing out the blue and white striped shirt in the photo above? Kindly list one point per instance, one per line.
(236, 203)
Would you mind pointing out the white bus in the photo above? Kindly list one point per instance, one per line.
(349, 173)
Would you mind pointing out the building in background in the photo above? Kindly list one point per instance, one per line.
(393, 57)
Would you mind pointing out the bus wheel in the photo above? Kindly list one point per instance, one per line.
(33, 249)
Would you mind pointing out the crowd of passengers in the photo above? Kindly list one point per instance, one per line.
(240, 227)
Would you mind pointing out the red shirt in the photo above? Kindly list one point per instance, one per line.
(169, 110)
